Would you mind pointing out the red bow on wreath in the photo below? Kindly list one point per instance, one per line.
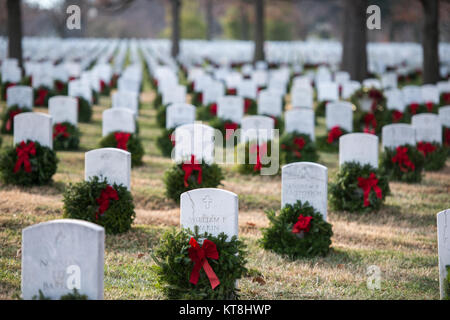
(230, 127)
(198, 256)
(425, 147)
(258, 149)
(41, 95)
(60, 129)
(300, 143)
(429, 105)
(446, 97)
(213, 109)
(370, 122)
(447, 137)
(109, 193)
(188, 168)
(302, 224)
(397, 116)
(200, 97)
(231, 91)
(102, 85)
(11, 116)
(59, 85)
(413, 107)
(122, 139)
(368, 184)
(247, 104)
(401, 157)
(23, 151)
(334, 134)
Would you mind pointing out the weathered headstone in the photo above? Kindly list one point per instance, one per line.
(178, 114)
(22, 96)
(269, 104)
(428, 127)
(305, 181)
(34, 126)
(62, 255)
(63, 109)
(443, 237)
(212, 210)
(258, 128)
(359, 147)
(339, 113)
(397, 134)
(300, 120)
(110, 163)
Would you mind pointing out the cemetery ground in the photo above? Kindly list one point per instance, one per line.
(400, 239)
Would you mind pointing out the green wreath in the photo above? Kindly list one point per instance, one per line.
(395, 116)
(206, 113)
(220, 124)
(8, 118)
(408, 170)
(447, 284)
(330, 142)
(66, 136)
(61, 88)
(43, 164)
(37, 99)
(376, 95)
(250, 106)
(82, 201)
(369, 122)
(84, 110)
(320, 108)
(297, 147)
(133, 145)
(444, 99)
(346, 194)
(174, 179)
(165, 143)
(265, 150)
(434, 158)
(446, 138)
(173, 266)
(157, 102)
(307, 239)
(197, 99)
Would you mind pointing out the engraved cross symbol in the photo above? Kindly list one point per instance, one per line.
(207, 200)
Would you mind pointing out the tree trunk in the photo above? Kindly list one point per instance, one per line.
(209, 20)
(259, 31)
(176, 7)
(354, 55)
(245, 28)
(15, 30)
(430, 41)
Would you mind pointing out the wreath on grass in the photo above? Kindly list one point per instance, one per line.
(444, 99)
(189, 175)
(206, 113)
(260, 152)
(250, 106)
(446, 138)
(297, 231)
(96, 201)
(165, 142)
(395, 116)
(376, 95)
(297, 147)
(41, 96)
(226, 127)
(126, 141)
(84, 110)
(330, 142)
(5, 87)
(278, 122)
(358, 188)
(66, 136)
(197, 99)
(435, 155)
(27, 163)
(368, 122)
(185, 266)
(416, 108)
(61, 88)
(404, 163)
(105, 89)
(8, 118)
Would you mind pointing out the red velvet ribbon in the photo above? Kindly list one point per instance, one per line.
(23, 151)
(109, 193)
(300, 143)
(10, 120)
(122, 139)
(59, 85)
(60, 129)
(425, 147)
(446, 97)
(258, 149)
(200, 97)
(102, 85)
(303, 224)
(188, 168)
(401, 157)
(41, 95)
(247, 104)
(429, 106)
(213, 109)
(334, 134)
(231, 91)
(368, 184)
(370, 123)
(397, 116)
(447, 137)
(413, 107)
(230, 127)
(198, 256)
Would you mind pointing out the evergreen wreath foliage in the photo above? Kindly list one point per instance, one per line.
(134, 146)
(8, 118)
(63, 142)
(165, 143)
(390, 166)
(296, 147)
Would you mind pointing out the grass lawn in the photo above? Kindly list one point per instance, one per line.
(400, 239)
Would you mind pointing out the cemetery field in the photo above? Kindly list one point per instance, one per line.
(400, 239)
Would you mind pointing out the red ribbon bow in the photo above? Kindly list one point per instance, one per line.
(122, 139)
(258, 149)
(102, 85)
(413, 107)
(213, 108)
(429, 105)
(231, 91)
(9, 123)
(447, 137)
(60, 129)
(425, 147)
(300, 143)
(230, 127)
(303, 224)
(397, 116)
(401, 157)
(103, 201)
(446, 97)
(198, 255)
(41, 95)
(59, 85)
(368, 184)
(23, 151)
(200, 97)
(334, 134)
(188, 168)
(247, 104)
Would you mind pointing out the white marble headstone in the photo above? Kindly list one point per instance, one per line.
(110, 163)
(302, 97)
(359, 147)
(340, 114)
(194, 139)
(258, 128)
(428, 127)
(22, 96)
(305, 181)
(300, 120)
(63, 109)
(327, 91)
(212, 210)
(444, 116)
(397, 134)
(178, 114)
(118, 119)
(230, 108)
(59, 256)
(270, 103)
(443, 237)
(34, 126)
(126, 99)
(78, 88)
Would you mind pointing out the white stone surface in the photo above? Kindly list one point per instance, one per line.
(428, 127)
(34, 126)
(270, 103)
(118, 119)
(444, 116)
(63, 109)
(258, 128)
(339, 113)
(22, 96)
(359, 147)
(178, 114)
(397, 134)
(194, 139)
(443, 237)
(230, 108)
(300, 120)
